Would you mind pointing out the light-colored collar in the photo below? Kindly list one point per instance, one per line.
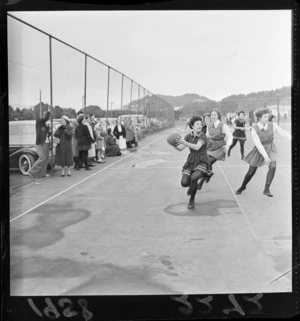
(216, 123)
(260, 126)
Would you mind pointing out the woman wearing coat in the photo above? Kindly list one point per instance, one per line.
(112, 149)
(100, 142)
(120, 134)
(85, 140)
(64, 152)
(129, 132)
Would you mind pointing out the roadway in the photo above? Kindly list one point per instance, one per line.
(124, 228)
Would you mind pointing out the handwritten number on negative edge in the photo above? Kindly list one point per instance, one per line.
(68, 313)
(206, 301)
(237, 307)
(50, 311)
(183, 299)
(87, 315)
(34, 307)
(255, 301)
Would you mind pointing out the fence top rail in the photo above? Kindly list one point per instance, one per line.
(84, 53)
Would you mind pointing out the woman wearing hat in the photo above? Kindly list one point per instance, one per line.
(64, 152)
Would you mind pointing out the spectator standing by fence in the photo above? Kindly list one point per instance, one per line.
(64, 152)
(93, 123)
(129, 133)
(85, 140)
(120, 134)
(92, 150)
(39, 168)
(74, 125)
(100, 142)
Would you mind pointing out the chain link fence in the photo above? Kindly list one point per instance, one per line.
(43, 67)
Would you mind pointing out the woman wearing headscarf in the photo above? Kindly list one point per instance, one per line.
(64, 152)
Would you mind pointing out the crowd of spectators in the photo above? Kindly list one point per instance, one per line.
(84, 142)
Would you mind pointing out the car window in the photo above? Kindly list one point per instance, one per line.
(28, 129)
(13, 129)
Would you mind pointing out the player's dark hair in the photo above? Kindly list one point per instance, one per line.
(240, 112)
(193, 120)
(216, 110)
(261, 111)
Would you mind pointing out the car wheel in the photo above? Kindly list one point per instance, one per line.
(25, 163)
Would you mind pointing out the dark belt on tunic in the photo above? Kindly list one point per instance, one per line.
(217, 138)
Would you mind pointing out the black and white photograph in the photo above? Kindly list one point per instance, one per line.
(150, 152)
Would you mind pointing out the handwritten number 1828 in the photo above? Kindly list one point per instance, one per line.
(52, 313)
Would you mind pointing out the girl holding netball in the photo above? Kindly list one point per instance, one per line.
(217, 147)
(197, 163)
(239, 133)
(264, 151)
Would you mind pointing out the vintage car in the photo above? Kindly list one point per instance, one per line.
(22, 148)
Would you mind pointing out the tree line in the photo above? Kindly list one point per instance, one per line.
(151, 111)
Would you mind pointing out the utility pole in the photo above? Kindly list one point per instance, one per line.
(85, 72)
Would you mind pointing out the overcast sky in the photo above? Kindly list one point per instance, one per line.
(211, 53)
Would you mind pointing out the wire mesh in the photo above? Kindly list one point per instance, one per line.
(28, 66)
(79, 81)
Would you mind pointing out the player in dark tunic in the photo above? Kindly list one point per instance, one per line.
(197, 163)
(239, 133)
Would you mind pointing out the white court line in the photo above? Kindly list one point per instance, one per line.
(149, 167)
(225, 166)
(282, 173)
(67, 189)
(239, 205)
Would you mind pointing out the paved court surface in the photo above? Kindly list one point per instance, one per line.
(124, 228)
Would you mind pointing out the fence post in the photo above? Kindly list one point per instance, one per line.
(130, 96)
(107, 104)
(139, 101)
(51, 102)
(122, 96)
(85, 71)
(144, 108)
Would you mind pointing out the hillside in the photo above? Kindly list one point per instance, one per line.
(183, 99)
(234, 103)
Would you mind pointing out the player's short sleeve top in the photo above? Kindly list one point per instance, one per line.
(194, 139)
